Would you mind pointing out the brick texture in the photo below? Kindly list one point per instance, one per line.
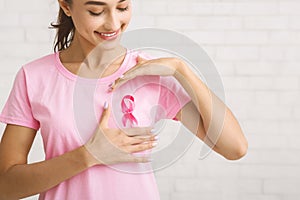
(255, 45)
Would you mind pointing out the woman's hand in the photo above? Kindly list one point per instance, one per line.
(111, 146)
(160, 67)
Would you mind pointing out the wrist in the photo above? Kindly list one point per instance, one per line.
(88, 159)
(180, 69)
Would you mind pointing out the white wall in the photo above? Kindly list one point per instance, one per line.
(256, 46)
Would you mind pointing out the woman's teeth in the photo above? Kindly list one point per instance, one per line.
(108, 34)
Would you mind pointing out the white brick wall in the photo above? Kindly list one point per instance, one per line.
(256, 47)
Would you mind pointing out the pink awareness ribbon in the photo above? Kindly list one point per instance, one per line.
(127, 105)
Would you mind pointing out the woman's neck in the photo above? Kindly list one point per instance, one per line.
(87, 60)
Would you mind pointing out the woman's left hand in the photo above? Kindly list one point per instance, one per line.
(160, 67)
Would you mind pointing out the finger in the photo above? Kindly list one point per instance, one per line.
(141, 139)
(142, 159)
(147, 137)
(139, 131)
(121, 81)
(141, 147)
(128, 75)
(105, 115)
(140, 59)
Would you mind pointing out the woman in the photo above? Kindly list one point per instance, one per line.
(42, 96)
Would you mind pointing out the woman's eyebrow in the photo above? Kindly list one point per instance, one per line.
(99, 3)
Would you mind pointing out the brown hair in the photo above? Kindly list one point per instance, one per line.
(65, 30)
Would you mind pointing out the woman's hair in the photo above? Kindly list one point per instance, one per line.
(65, 30)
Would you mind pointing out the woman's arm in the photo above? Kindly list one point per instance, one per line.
(213, 122)
(19, 179)
(208, 117)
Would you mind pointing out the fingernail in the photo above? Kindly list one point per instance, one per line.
(110, 89)
(122, 76)
(105, 105)
(154, 144)
(156, 137)
(153, 130)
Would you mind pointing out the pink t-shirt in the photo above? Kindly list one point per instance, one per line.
(66, 108)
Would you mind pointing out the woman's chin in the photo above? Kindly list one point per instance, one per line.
(109, 44)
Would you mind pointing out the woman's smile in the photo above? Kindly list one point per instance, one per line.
(108, 35)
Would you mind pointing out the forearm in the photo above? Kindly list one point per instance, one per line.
(21, 181)
(221, 127)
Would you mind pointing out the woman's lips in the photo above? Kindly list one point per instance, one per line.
(108, 35)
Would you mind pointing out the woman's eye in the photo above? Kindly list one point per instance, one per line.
(99, 13)
(123, 9)
(95, 14)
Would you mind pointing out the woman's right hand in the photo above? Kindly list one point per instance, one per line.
(112, 146)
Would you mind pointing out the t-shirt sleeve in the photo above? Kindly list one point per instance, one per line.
(17, 109)
(172, 97)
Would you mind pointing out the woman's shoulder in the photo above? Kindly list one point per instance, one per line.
(42, 63)
(39, 71)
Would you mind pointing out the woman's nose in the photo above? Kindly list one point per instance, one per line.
(112, 23)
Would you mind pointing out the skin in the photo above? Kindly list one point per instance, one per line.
(206, 115)
(19, 179)
(113, 17)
